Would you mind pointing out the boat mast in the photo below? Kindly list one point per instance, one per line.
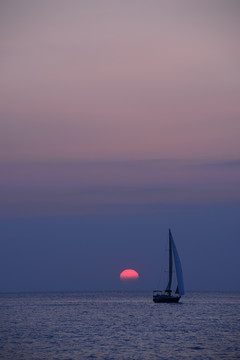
(168, 288)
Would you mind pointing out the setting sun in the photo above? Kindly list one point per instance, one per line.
(129, 275)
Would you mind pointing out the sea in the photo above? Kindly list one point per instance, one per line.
(118, 325)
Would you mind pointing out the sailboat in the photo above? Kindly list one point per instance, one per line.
(168, 296)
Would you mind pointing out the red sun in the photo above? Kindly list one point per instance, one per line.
(129, 275)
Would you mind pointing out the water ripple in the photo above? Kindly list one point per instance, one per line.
(118, 326)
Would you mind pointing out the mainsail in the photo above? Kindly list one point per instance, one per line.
(178, 266)
(168, 288)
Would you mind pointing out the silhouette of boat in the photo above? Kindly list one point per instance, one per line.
(167, 296)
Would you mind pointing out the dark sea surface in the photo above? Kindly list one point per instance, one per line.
(119, 325)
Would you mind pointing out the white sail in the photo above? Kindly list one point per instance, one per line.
(178, 267)
(168, 288)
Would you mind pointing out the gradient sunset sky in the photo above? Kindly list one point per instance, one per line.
(118, 120)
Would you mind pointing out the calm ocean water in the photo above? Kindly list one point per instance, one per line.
(118, 325)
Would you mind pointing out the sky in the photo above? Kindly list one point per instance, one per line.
(118, 120)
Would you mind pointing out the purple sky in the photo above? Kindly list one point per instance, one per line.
(100, 80)
(119, 110)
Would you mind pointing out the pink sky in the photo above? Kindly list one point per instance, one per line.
(118, 119)
(100, 80)
(128, 103)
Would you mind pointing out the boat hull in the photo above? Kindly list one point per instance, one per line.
(166, 299)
